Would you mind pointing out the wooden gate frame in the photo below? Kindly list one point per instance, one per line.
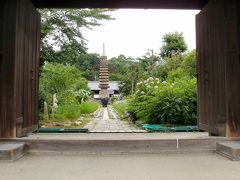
(218, 62)
(11, 98)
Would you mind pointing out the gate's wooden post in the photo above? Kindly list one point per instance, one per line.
(232, 10)
(19, 58)
(7, 69)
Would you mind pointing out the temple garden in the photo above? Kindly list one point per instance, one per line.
(158, 88)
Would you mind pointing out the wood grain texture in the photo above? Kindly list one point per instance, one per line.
(150, 4)
(211, 59)
(27, 59)
(218, 63)
(7, 81)
(233, 68)
(19, 68)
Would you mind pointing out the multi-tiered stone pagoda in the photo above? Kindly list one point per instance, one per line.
(103, 76)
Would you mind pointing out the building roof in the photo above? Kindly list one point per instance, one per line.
(94, 85)
(150, 4)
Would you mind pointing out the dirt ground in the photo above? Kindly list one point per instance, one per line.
(175, 166)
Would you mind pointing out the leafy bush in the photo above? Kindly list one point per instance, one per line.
(120, 107)
(161, 102)
(63, 80)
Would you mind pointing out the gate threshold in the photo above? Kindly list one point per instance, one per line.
(112, 143)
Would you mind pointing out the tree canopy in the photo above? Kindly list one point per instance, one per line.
(61, 28)
(173, 43)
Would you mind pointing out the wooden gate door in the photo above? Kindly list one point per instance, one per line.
(211, 35)
(233, 68)
(26, 68)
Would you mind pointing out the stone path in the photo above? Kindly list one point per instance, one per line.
(106, 120)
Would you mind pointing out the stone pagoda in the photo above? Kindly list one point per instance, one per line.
(103, 76)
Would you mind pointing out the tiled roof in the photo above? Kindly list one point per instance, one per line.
(94, 85)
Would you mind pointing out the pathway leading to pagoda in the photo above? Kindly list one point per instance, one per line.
(106, 120)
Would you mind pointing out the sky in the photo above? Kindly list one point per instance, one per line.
(134, 31)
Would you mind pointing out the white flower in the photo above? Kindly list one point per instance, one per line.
(155, 87)
(150, 78)
(157, 79)
(164, 82)
(142, 92)
(149, 86)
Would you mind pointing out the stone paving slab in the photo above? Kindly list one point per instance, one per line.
(119, 136)
(177, 166)
(107, 121)
(10, 151)
(230, 149)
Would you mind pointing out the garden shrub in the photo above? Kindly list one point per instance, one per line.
(63, 80)
(120, 107)
(70, 87)
(161, 102)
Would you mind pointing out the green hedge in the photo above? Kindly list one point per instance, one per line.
(157, 102)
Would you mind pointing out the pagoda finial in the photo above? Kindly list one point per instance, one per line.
(103, 49)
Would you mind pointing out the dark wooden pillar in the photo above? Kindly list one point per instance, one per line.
(7, 66)
(218, 62)
(232, 10)
(19, 54)
(211, 58)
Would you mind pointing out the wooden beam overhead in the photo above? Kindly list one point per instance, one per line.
(141, 4)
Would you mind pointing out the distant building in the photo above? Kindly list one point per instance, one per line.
(113, 89)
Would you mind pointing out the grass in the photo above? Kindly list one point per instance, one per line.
(75, 111)
(67, 115)
(61, 124)
(120, 108)
(88, 107)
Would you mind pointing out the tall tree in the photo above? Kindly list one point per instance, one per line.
(62, 28)
(173, 44)
(149, 61)
(118, 67)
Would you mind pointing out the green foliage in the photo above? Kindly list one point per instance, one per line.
(120, 107)
(68, 112)
(88, 107)
(74, 111)
(118, 66)
(189, 63)
(65, 81)
(114, 98)
(82, 95)
(187, 67)
(170, 98)
(173, 43)
(148, 62)
(126, 70)
(164, 102)
(62, 28)
(89, 64)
